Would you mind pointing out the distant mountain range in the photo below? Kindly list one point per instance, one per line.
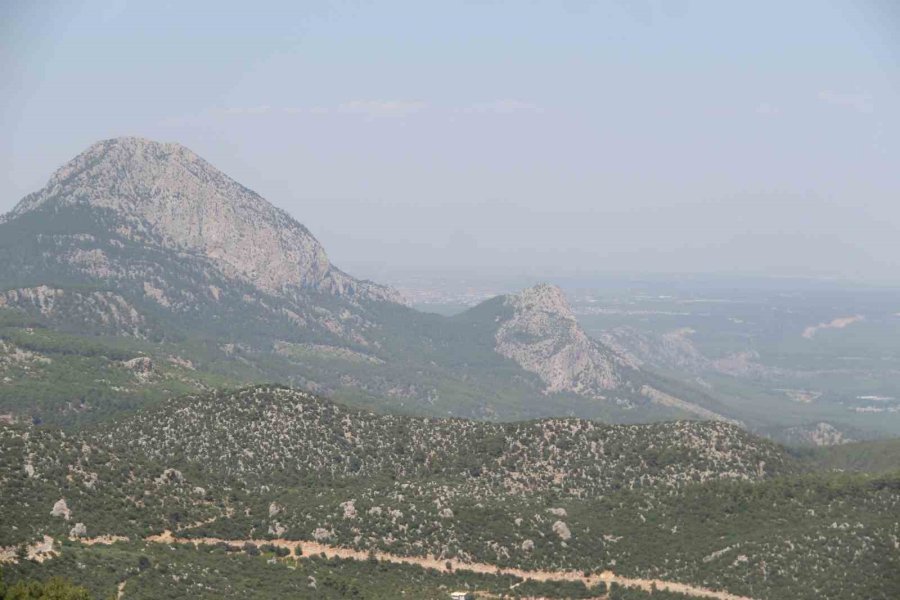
(140, 268)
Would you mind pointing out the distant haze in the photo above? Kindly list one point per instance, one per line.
(679, 136)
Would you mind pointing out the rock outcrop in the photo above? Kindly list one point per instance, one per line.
(543, 337)
(61, 509)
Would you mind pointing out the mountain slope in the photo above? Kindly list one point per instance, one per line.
(542, 336)
(537, 330)
(142, 251)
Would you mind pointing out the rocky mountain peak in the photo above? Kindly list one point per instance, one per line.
(166, 195)
(543, 297)
(118, 172)
(542, 336)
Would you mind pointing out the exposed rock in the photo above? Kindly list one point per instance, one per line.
(170, 476)
(302, 350)
(157, 294)
(78, 531)
(61, 509)
(543, 337)
(838, 323)
(349, 508)
(10, 354)
(172, 196)
(819, 434)
(673, 349)
(277, 529)
(528, 545)
(142, 367)
(562, 530)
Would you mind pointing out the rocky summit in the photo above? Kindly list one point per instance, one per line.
(543, 337)
(165, 195)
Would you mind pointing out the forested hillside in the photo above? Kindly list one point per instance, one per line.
(701, 503)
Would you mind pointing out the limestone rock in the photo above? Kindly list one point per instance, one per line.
(142, 367)
(168, 194)
(543, 337)
(61, 509)
(562, 530)
(170, 476)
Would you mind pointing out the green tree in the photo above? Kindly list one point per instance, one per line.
(54, 589)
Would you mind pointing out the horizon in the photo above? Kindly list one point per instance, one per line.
(501, 275)
(542, 144)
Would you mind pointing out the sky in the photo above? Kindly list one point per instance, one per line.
(680, 136)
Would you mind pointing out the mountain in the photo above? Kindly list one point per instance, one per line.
(542, 336)
(264, 469)
(165, 196)
(154, 239)
(140, 272)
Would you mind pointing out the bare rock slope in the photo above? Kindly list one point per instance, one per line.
(543, 337)
(169, 196)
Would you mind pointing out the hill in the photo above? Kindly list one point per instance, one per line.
(705, 504)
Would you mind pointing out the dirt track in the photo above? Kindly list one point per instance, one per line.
(314, 548)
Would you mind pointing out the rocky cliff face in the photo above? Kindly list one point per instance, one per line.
(167, 196)
(543, 337)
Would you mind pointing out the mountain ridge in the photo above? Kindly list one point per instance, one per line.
(147, 241)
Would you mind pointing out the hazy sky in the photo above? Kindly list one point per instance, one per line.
(657, 136)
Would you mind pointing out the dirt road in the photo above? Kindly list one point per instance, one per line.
(315, 548)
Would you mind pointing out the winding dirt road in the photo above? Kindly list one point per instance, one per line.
(315, 548)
